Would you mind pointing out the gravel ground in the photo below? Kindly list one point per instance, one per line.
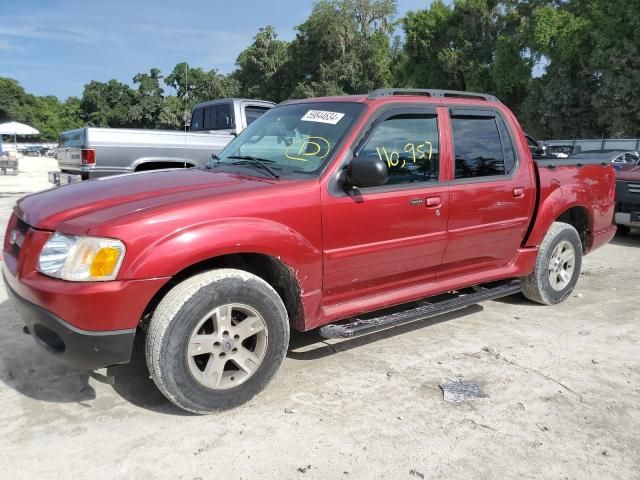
(562, 385)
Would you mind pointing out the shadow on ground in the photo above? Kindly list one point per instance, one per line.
(30, 371)
(630, 240)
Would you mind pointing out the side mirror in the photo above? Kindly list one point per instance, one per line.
(367, 172)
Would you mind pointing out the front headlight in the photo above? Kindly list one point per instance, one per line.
(81, 259)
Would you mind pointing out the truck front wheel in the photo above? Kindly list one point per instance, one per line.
(216, 340)
(557, 267)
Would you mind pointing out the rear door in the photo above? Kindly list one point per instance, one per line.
(381, 238)
(492, 193)
(69, 153)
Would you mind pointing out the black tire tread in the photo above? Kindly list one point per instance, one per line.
(533, 284)
(171, 305)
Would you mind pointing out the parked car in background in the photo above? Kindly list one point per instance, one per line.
(90, 152)
(627, 215)
(322, 211)
(561, 150)
(617, 158)
(52, 152)
(626, 160)
(34, 150)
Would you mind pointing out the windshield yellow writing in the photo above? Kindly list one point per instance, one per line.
(302, 150)
(417, 151)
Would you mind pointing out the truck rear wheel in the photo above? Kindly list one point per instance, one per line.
(216, 340)
(557, 267)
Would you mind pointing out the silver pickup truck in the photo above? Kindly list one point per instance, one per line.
(91, 152)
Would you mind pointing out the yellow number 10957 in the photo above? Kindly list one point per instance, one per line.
(417, 152)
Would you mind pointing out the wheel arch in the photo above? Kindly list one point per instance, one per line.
(576, 215)
(270, 269)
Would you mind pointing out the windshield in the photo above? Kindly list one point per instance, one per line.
(290, 139)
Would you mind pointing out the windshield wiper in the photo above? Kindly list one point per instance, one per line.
(255, 162)
(210, 164)
(251, 157)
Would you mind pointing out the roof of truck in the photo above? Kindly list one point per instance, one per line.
(386, 93)
(232, 100)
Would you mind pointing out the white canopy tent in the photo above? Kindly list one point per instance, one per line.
(16, 128)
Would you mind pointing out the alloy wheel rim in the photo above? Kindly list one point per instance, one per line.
(227, 346)
(562, 265)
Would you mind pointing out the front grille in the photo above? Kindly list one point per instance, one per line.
(633, 187)
(16, 237)
(626, 207)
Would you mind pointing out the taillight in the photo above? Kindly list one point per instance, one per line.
(88, 156)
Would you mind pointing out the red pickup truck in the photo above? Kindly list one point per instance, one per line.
(324, 213)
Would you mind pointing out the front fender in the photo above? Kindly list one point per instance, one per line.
(172, 253)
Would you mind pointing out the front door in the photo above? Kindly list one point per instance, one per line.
(378, 239)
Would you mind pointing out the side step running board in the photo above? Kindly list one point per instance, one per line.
(359, 326)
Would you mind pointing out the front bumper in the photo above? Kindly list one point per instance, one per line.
(73, 346)
(62, 178)
(631, 220)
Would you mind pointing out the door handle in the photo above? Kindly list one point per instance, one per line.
(433, 202)
(518, 192)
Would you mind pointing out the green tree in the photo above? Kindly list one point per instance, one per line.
(343, 47)
(47, 114)
(12, 99)
(615, 61)
(173, 113)
(149, 99)
(107, 104)
(260, 66)
(195, 85)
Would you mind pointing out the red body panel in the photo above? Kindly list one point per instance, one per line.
(348, 254)
(590, 186)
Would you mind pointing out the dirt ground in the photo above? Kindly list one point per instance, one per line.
(563, 386)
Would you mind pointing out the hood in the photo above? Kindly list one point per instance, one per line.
(80, 206)
(631, 174)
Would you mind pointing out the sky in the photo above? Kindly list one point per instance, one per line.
(55, 47)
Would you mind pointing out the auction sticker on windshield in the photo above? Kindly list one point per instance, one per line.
(322, 116)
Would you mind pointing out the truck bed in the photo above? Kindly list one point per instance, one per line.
(565, 183)
(120, 150)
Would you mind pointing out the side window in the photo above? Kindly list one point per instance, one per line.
(477, 147)
(408, 144)
(217, 117)
(253, 113)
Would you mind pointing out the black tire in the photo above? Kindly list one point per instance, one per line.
(178, 314)
(537, 286)
(623, 230)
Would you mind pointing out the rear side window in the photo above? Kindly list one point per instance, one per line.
(631, 158)
(478, 147)
(74, 138)
(408, 145)
(253, 113)
(215, 117)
